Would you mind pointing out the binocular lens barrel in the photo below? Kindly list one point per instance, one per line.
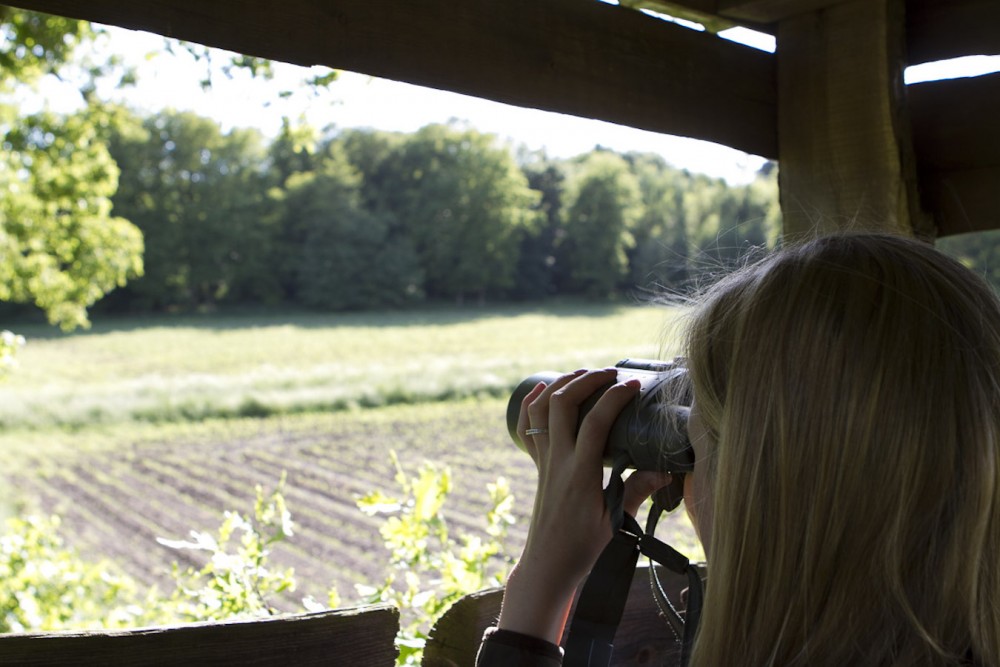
(651, 432)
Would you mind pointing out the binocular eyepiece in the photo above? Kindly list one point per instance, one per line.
(651, 432)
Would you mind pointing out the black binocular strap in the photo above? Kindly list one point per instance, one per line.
(601, 602)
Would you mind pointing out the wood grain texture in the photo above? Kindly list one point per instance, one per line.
(643, 637)
(956, 138)
(844, 124)
(943, 29)
(935, 29)
(771, 11)
(846, 156)
(588, 59)
(350, 637)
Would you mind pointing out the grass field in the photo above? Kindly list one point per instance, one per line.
(120, 430)
(193, 368)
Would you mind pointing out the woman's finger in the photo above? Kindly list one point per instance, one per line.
(564, 407)
(523, 423)
(596, 426)
(538, 409)
(641, 485)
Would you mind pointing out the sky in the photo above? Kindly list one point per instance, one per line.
(355, 100)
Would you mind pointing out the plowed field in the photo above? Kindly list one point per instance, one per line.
(116, 502)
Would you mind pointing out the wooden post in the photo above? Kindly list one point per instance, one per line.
(844, 141)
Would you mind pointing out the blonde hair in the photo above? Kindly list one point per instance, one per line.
(852, 384)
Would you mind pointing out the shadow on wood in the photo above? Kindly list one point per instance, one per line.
(643, 638)
(361, 637)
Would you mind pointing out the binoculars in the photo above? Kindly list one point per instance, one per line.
(651, 432)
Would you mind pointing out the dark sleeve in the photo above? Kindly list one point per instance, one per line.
(505, 648)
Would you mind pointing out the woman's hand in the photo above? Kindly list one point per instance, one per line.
(570, 525)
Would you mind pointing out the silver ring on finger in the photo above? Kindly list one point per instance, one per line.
(536, 431)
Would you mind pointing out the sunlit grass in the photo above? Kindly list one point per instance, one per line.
(170, 370)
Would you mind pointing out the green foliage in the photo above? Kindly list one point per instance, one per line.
(662, 244)
(237, 580)
(465, 205)
(428, 569)
(10, 343)
(350, 258)
(46, 586)
(197, 195)
(60, 247)
(33, 44)
(602, 206)
(980, 251)
(260, 68)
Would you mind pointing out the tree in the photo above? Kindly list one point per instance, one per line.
(60, 247)
(660, 254)
(33, 45)
(729, 223)
(536, 265)
(199, 196)
(980, 251)
(465, 204)
(377, 157)
(350, 257)
(602, 203)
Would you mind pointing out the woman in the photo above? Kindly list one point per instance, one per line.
(846, 486)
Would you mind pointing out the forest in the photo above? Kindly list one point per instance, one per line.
(362, 219)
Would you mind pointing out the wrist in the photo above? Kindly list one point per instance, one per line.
(536, 603)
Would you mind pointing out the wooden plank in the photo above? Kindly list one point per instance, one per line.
(588, 59)
(771, 11)
(760, 13)
(955, 122)
(943, 29)
(846, 157)
(963, 200)
(643, 637)
(362, 636)
(935, 29)
(956, 138)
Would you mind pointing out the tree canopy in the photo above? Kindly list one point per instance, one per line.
(60, 246)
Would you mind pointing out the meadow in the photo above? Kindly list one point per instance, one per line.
(135, 430)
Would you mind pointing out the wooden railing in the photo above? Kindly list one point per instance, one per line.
(643, 637)
(360, 637)
(355, 637)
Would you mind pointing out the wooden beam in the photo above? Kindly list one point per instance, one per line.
(583, 58)
(935, 29)
(955, 122)
(845, 153)
(943, 29)
(963, 200)
(759, 13)
(956, 138)
(771, 11)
